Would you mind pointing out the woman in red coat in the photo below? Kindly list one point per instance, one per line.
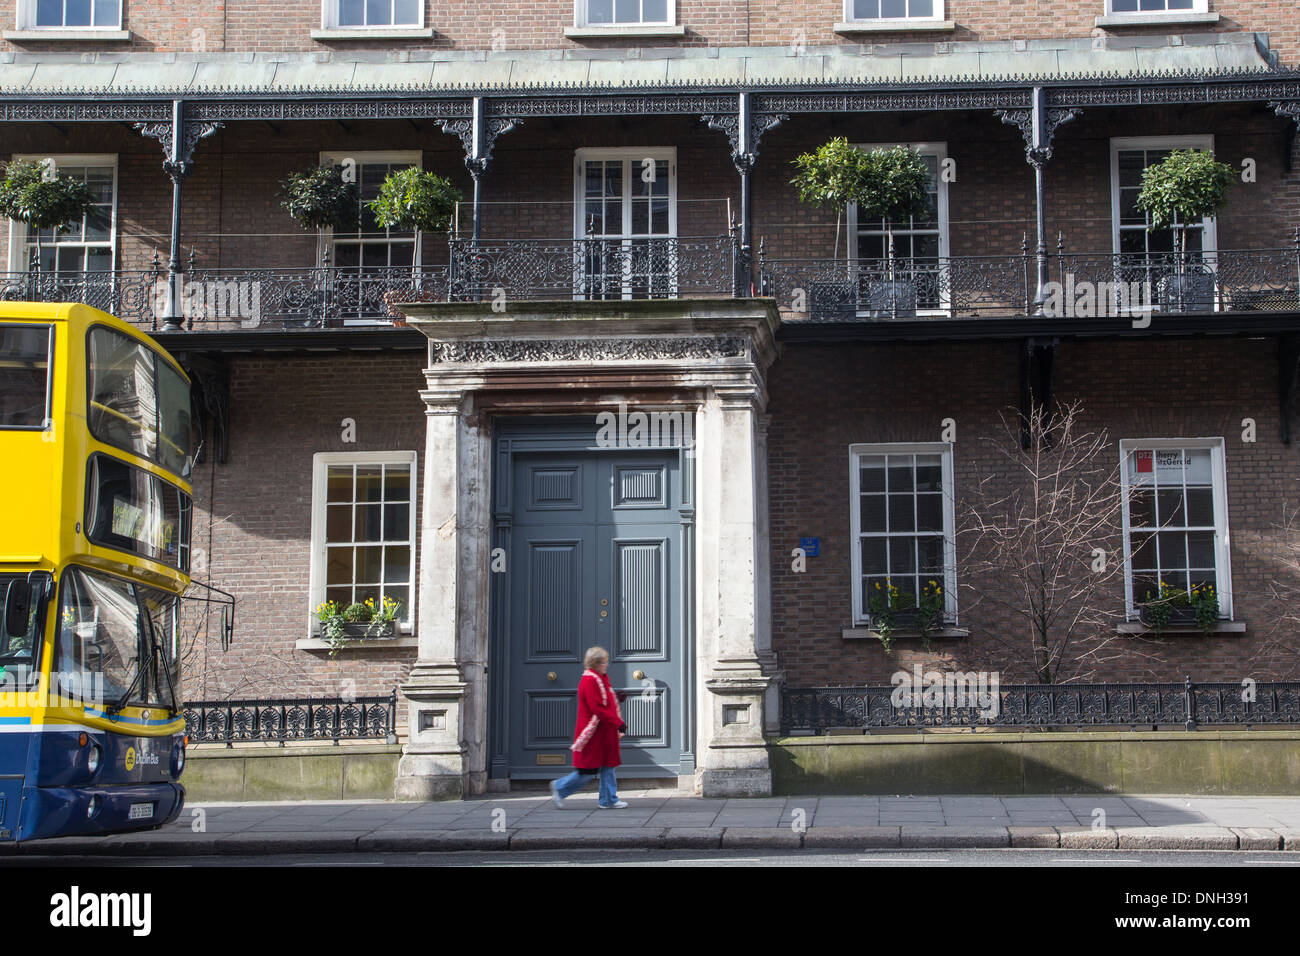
(595, 736)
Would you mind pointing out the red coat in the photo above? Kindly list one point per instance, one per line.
(595, 736)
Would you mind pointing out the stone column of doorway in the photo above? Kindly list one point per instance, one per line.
(443, 756)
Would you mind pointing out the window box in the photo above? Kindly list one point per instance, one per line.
(356, 631)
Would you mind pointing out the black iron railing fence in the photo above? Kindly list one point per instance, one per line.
(1079, 285)
(292, 720)
(815, 710)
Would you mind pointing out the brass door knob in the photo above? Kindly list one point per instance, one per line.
(551, 675)
(639, 675)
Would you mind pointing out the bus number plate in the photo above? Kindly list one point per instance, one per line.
(141, 811)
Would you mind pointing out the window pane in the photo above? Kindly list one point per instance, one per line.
(1142, 509)
(338, 523)
(99, 631)
(930, 558)
(1200, 507)
(338, 566)
(397, 483)
(627, 11)
(49, 13)
(406, 12)
(893, 8)
(1200, 549)
(1173, 550)
(1144, 552)
(902, 561)
(873, 513)
(369, 565)
(866, 9)
(76, 13)
(339, 483)
(872, 473)
(900, 473)
(873, 556)
(377, 13)
(901, 517)
(654, 11)
(368, 527)
(1169, 508)
(370, 483)
(402, 595)
(397, 522)
(929, 473)
(397, 565)
(342, 596)
(23, 399)
(123, 407)
(922, 8)
(106, 13)
(600, 11)
(929, 512)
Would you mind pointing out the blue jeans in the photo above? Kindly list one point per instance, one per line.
(576, 781)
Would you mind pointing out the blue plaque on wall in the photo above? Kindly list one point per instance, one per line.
(811, 546)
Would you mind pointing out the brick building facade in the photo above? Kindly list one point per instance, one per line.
(719, 97)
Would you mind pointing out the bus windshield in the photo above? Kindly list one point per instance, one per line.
(121, 634)
(138, 402)
(25, 375)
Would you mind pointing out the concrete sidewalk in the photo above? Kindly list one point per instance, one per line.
(666, 819)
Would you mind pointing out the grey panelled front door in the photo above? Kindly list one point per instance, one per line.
(595, 559)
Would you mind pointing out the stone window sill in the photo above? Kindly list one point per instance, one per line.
(869, 634)
(82, 36)
(1114, 20)
(896, 26)
(387, 643)
(594, 33)
(1182, 630)
(377, 33)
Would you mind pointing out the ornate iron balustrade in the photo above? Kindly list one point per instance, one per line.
(1090, 286)
(813, 710)
(283, 720)
(130, 295)
(323, 297)
(598, 268)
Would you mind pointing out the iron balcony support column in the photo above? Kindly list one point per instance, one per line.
(178, 139)
(478, 134)
(744, 129)
(1038, 126)
(1036, 357)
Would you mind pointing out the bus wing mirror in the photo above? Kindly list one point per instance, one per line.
(18, 607)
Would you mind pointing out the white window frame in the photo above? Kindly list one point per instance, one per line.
(939, 151)
(1118, 144)
(632, 156)
(26, 20)
(1198, 6)
(329, 20)
(321, 463)
(934, 17)
(19, 259)
(580, 18)
(334, 158)
(861, 613)
(1223, 542)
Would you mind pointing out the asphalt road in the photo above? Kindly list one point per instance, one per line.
(875, 859)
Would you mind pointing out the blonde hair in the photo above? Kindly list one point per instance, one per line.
(593, 655)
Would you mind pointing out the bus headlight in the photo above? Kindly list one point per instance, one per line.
(92, 808)
(178, 759)
(93, 759)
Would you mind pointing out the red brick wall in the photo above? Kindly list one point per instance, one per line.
(253, 516)
(824, 398)
(246, 25)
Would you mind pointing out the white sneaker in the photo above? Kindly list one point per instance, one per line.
(555, 795)
(619, 805)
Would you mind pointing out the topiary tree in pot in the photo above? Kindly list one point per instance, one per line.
(319, 198)
(1185, 187)
(42, 198)
(417, 200)
(886, 183)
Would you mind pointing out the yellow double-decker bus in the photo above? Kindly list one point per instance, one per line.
(95, 447)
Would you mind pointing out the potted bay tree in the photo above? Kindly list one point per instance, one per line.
(888, 183)
(419, 201)
(1185, 187)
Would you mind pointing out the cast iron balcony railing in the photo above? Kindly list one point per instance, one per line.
(1080, 285)
(655, 267)
(814, 710)
(286, 720)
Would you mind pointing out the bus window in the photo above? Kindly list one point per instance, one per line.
(138, 402)
(132, 510)
(99, 633)
(25, 375)
(17, 651)
(164, 614)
